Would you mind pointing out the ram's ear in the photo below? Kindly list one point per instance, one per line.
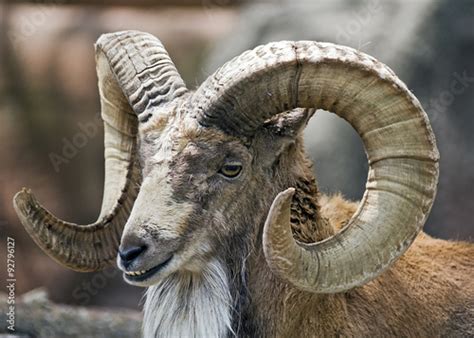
(281, 131)
(289, 124)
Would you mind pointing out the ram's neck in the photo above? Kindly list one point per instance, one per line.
(272, 301)
(307, 222)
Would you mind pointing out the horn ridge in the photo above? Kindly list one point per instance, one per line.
(142, 67)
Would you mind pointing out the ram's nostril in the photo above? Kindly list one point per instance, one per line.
(129, 254)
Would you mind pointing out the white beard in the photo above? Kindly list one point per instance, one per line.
(189, 305)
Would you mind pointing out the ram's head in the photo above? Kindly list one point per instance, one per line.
(187, 171)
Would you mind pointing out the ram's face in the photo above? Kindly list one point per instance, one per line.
(192, 183)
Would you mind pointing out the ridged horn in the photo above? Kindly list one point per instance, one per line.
(136, 76)
(399, 142)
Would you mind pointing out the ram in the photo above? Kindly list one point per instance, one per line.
(210, 200)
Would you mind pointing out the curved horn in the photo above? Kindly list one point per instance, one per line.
(135, 76)
(399, 142)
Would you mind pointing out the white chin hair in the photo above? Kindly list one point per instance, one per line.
(189, 305)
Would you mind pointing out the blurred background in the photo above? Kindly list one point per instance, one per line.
(51, 135)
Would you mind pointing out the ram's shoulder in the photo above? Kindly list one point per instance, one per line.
(454, 259)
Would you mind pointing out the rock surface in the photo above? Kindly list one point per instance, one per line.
(37, 316)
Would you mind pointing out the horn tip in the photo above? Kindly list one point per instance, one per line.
(278, 217)
(285, 196)
(288, 192)
(24, 202)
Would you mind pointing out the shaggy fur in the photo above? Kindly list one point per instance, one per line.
(189, 305)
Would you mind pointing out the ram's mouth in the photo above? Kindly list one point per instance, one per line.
(141, 275)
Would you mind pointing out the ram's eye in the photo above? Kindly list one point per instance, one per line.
(231, 169)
